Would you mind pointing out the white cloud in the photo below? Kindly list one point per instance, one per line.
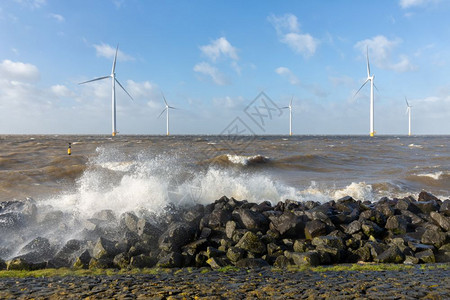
(228, 102)
(206, 69)
(19, 71)
(285, 72)
(288, 30)
(412, 3)
(218, 48)
(57, 17)
(380, 53)
(61, 91)
(108, 51)
(143, 90)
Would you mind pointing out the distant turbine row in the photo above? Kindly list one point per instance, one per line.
(168, 107)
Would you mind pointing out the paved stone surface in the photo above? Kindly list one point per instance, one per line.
(265, 283)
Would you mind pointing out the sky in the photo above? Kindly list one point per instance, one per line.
(215, 61)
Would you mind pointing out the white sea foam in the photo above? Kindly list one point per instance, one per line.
(415, 146)
(435, 175)
(246, 160)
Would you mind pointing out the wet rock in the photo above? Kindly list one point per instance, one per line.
(38, 250)
(82, 261)
(371, 229)
(251, 220)
(426, 256)
(407, 204)
(217, 262)
(105, 215)
(213, 252)
(441, 220)
(391, 255)
(121, 260)
(101, 263)
(289, 225)
(315, 228)
(428, 206)
(425, 196)
(442, 256)
(397, 225)
(234, 254)
(104, 248)
(251, 242)
(11, 221)
(177, 235)
(67, 255)
(304, 259)
(410, 260)
(142, 261)
(230, 227)
(19, 264)
(2, 264)
(433, 237)
(353, 227)
(219, 216)
(129, 220)
(282, 262)
(148, 231)
(171, 260)
(329, 241)
(374, 216)
(252, 263)
(445, 208)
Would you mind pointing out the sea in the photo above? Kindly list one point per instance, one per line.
(130, 172)
(147, 174)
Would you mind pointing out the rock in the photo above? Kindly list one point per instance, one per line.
(376, 248)
(415, 219)
(315, 228)
(371, 229)
(82, 261)
(445, 208)
(251, 220)
(234, 254)
(105, 215)
(213, 252)
(262, 207)
(251, 242)
(407, 204)
(282, 262)
(304, 259)
(441, 220)
(425, 196)
(289, 225)
(2, 264)
(361, 254)
(38, 250)
(426, 256)
(142, 261)
(217, 262)
(276, 250)
(177, 235)
(104, 248)
(374, 216)
(329, 241)
(433, 237)
(252, 263)
(147, 231)
(66, 256)
(18, 264)
(101, 263)
(195, 246)
(398, 225)
(205, 233)
(353, 227)
(230, 227)
(391, 255)
(129, 220)
(11, 221)
(171, 260)
(299, 246)
(121, 260)
(427, 207)
(442, 256)
(219, 217)
(410, 260)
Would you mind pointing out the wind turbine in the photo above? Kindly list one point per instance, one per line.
(290, 115)
(369, 78)
(167, 111)
(408, 111)
(113, 83)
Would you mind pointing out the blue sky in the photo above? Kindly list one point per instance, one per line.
(212, 58)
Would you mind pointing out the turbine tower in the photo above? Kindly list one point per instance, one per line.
(290, 115)
(167, 112)
(369, 78)
(113, 86)
(408, 111)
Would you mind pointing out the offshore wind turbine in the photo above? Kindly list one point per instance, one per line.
(168, 107)
(408, 111)
(113, 87)
(369, 78)
(290, 115)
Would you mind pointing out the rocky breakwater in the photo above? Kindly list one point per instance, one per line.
(230, 232)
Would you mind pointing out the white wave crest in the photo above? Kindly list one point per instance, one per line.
(246, 160)
(435, 176)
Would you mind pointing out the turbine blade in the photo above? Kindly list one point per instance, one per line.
(361, 87)
(171, 107)
(285, 107)
(124, 89)
(376, 87)
(407, 104)
(407, 109)
(95, 79)
(115, 58)
(162, 112)
(164, 98)
(368, 64)
(290, 103)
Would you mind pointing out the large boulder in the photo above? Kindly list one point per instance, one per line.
(37, 250)
(304, 259)
(391, 255)
(434, 237)
(177, 235)
(170, 260)
(251, 243)
(251, 220)
(289, 225)
(104, 248)
(398, 225)
(441, 220)
(315, 228)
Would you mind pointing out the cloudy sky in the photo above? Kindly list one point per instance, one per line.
(212, 58)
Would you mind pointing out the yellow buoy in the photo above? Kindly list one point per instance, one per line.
(69, 150)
